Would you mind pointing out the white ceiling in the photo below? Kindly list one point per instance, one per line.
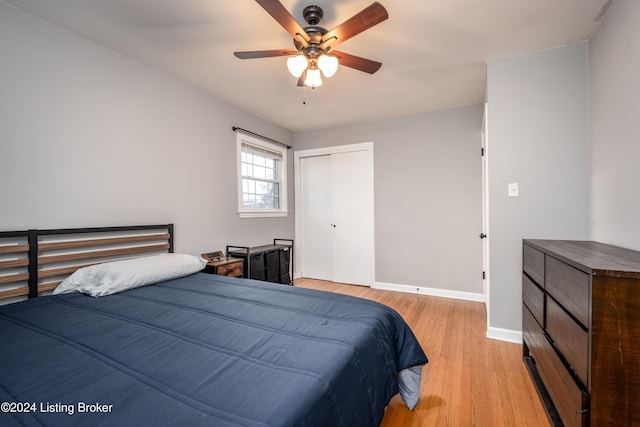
(434, 52)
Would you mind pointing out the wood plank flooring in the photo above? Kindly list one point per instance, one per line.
(470, 380)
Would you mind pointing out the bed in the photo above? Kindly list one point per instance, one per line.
(201, 349)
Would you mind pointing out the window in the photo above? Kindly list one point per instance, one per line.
(262, 178)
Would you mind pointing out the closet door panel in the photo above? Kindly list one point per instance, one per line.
(317, 212)
(352, 218)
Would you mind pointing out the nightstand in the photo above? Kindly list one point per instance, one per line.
(225, 266)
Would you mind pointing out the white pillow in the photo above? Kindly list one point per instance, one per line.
(117, 276)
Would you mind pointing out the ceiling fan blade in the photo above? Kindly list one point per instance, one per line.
(252, 54)
(365, 19)
(301, 79)
(283, 17)
(356, 62)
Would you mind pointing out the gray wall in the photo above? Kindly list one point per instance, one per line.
(614, 67)
(427, 179)
(91, 138)
(538, 137)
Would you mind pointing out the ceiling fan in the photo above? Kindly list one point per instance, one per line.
(314, 44)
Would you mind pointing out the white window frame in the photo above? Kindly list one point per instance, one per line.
(280, 149)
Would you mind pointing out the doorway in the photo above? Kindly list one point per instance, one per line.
(334, 213)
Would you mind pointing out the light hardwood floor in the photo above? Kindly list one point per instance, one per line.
(470, 380)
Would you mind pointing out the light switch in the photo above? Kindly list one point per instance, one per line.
(514, 189)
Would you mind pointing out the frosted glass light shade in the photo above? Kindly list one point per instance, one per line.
(328, 65)
(296, 65)
(313, 78)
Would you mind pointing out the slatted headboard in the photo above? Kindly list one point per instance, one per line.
(36, 261)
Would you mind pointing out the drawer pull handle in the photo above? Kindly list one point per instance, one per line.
(583, 411)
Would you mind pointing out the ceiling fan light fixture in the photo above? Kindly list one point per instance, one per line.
(313, 78)
(297, 64)
(328, 64)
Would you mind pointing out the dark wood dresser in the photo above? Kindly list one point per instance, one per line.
(581, 329)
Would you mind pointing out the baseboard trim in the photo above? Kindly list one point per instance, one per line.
(444, 293)
(508, 335)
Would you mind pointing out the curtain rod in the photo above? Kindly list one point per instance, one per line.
(236, 128)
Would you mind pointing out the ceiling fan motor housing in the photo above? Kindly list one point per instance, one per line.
(315, 34)
(312, 14)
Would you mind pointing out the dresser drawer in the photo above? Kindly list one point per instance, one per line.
(570, 287)
(232, 269)
(532, 332)
(533, 298)
(533, 264)
(570, 338)
(567, 397)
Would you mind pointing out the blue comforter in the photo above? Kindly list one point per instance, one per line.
(202, 350)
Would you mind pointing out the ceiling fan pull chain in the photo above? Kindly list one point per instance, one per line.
(304, 94)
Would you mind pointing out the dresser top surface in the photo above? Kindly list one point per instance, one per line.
(592, 257)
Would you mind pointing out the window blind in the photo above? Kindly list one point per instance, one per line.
(252, 149)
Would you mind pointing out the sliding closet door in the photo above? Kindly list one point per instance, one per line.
(337, 217)
(317, 242)
(352, 218)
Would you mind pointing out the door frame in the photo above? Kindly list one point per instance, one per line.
(323, 151)
(486, 264)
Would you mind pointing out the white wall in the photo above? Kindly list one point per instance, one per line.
(427, 179)
(537, 137)
(614, 67)
(91, 138)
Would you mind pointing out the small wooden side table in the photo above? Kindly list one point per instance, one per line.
(226, 266)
